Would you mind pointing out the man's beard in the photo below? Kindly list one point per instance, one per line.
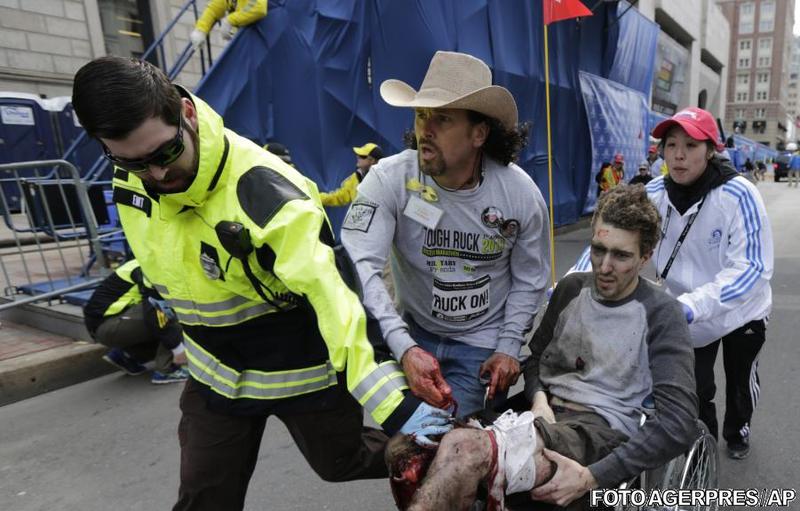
(434, 167)
(187, 178)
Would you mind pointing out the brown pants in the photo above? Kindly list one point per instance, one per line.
(219, 452)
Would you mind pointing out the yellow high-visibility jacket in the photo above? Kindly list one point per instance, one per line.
(343, 195)
(251, 356)
(115, 294)
(240, 13)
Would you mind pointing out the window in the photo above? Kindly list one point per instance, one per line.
(761, 95)
(742, 97)
(746, 18)
(744, 44)
(760, 113)
(744, 62)
(741, 113)
(762, 77)
(765, 61)
(127, 26)
(742, 79)
(765, 44)
(766, 22)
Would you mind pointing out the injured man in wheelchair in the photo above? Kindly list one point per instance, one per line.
(607, 341)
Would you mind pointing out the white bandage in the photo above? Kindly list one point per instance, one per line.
(516, 443)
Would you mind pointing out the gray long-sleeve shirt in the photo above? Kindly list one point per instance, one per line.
(608, 356)
(476, 277)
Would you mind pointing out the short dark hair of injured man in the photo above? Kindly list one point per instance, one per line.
(608, 340)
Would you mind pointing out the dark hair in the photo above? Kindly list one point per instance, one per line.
(113, 96)
(503, 145)
(628, 207)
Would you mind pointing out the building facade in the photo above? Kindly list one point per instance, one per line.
(758, 74)
(793, 89)
(691, 57)
(44, 42)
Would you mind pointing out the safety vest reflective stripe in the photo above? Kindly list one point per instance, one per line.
(256, 384)
(388, 377)
(191, 318)
(193, 313)
(224, 305)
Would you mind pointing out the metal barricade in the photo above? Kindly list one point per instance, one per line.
(55, 244)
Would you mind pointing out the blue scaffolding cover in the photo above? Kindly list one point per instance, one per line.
(308, 76)
(618, 123)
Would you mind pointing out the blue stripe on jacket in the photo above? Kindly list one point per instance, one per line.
(752, 223)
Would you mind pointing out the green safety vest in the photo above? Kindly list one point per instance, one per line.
(235, 341)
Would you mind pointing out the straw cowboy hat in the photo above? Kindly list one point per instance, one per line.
(455, 80)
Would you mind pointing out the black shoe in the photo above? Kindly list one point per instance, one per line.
(739, 450)
(124, 361)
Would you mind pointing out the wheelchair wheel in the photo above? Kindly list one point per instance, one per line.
(695, 470)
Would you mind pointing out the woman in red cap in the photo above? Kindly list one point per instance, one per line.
(716, 258)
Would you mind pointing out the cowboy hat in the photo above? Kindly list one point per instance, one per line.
(455, 80)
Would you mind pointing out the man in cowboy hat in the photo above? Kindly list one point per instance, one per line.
(466, 229)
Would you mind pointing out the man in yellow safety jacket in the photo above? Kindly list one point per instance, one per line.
(238, 244)
(232, 13)
(366, 156)
(126, 314)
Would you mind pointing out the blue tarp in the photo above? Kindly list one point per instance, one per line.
(308, 76)
(618, 121)
(751, 149)
(634, 63)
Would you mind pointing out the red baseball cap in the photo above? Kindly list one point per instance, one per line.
(653, 149)
(696, 122)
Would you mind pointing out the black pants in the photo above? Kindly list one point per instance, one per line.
(219, 452)
(740, 350)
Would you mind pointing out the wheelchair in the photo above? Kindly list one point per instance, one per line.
(696, 469)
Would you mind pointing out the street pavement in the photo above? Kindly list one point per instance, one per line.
(111, 442)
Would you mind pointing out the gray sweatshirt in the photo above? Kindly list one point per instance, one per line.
(609, 356)
(477, 276)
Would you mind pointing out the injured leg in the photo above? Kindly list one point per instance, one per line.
(468, 458)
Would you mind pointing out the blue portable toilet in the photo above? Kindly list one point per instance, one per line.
(86, 153)
(26, 134)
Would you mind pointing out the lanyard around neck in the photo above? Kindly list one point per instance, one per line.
(682, 237)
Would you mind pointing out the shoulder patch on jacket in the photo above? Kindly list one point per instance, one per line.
(262, 192)
(133, 199)
(359, 216)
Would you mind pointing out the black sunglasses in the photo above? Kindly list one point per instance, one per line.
(166, 154)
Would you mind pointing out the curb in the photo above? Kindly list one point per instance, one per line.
(36, 373)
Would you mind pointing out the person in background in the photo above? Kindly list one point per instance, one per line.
(794, 166)
(611, 175)
(657, 165)
(280, 151)
(127, 315)
(652, 154)
(761, 170)
(366, 156)
(231, 14)
(643, 176)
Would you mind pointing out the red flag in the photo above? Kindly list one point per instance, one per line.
(557, 10)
